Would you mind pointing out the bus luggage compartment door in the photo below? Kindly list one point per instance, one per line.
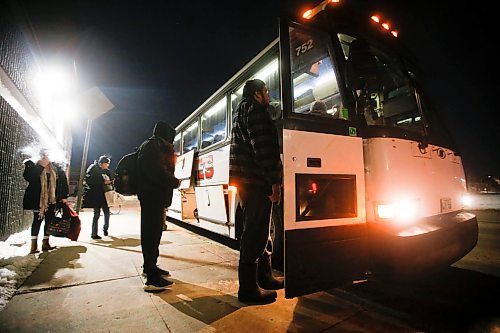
(324, 211)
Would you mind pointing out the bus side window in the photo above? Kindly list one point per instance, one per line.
(190, 138)
(269, 73)
(315, 87)
(177, 144)
(214, 124)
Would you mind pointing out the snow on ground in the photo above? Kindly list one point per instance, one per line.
(16, 264)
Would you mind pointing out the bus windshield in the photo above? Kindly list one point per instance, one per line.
(392, 101)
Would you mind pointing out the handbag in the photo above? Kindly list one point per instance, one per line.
(59, 226)
(110, 198)
(75, 223)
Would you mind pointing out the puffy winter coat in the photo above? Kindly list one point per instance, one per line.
(32, 172)
(156, 163)
(94, 194)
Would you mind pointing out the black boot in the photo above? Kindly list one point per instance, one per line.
(249, 291)
(265, 275)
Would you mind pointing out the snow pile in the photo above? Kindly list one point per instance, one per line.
(16, 264)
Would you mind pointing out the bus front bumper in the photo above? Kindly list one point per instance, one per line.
(432, 242)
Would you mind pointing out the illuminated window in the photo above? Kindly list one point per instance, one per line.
(315, 88)
(177, 144)
(190, 138)
(269, 73)
(213, 124)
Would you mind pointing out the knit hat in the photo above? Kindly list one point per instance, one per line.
(165, 131)
(104, 159)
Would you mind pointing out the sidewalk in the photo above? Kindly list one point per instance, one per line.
(96, 286)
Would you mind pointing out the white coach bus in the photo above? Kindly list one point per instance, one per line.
(371, 183)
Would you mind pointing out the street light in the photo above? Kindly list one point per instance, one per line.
(95, 104)
(58, 95)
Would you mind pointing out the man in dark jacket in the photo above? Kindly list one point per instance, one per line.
(99, 181)
(255, 169)
(155, 185)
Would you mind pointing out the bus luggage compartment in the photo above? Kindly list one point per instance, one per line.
(431, 243)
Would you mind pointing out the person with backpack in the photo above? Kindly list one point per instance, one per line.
(155, 185)
(99, 181)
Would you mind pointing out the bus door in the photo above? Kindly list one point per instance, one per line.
(183, 200)
(325, 232)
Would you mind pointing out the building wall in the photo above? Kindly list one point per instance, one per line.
(20, 122)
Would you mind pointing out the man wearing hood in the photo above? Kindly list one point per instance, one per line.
(155, 185)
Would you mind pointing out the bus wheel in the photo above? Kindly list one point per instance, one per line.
(277, 231)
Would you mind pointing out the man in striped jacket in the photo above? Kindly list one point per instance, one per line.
(255, 169)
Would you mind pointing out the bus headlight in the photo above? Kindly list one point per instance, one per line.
(466, 200)
(400, 211)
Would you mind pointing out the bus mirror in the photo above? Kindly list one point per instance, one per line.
(361, 67)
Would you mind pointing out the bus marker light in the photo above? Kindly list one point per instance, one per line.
(314, 188)
(307, 14)
(232, 188)
(386, 26)
(375, 18)
(334, 1)
(395, 34)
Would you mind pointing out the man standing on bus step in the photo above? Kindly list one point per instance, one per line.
(255, 169)
(155, 185)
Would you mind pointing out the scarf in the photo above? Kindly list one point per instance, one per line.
(48, 193)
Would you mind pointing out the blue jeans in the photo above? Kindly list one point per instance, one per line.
(97, 213)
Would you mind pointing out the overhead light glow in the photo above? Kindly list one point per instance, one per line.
(192, 127)
(334, 1)
(270, 68)
(217, 107)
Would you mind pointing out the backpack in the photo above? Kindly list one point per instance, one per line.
(126, 175)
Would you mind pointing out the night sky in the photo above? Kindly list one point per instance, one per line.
(159, 60)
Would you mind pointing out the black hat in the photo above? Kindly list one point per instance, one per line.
(104, 159)
(165, 131)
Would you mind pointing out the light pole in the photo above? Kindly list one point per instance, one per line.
(96, 104)
(82, 167)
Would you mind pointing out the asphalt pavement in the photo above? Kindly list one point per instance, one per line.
(96, 286)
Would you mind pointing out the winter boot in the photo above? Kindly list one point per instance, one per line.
(249, 291)
(46, 246)
(34, 246)
(265, 275)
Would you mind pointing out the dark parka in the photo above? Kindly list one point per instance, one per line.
(156, 164)
(32, 172)
(94, 194)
